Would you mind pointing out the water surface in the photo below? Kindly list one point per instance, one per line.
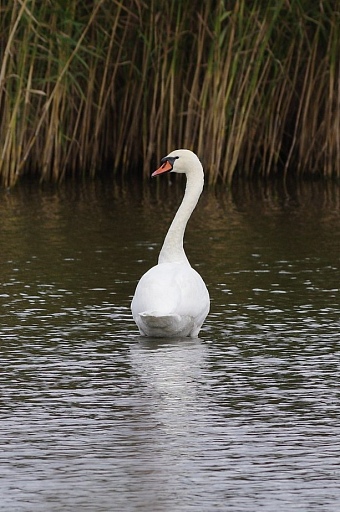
(95, 418)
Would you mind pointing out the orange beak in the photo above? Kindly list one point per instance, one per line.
(166, 167)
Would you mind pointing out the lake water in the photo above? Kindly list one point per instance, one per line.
(95, 418)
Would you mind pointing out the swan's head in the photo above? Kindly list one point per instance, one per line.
(181, 161)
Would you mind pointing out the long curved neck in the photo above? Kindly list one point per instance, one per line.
(172, 249)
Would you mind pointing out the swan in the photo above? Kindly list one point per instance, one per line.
(171, 299)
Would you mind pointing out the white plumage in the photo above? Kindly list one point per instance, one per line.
(171, 298)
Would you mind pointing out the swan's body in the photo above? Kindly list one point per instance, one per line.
(171, 299)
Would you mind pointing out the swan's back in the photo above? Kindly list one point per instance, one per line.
(171, 299)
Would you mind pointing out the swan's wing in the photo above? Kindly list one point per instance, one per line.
(171, 289)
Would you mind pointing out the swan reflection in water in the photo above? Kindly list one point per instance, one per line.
(171, 376)
(172, 422)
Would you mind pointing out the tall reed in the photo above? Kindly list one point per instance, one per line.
(87, 86)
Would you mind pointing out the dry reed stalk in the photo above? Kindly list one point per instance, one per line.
(253, 87)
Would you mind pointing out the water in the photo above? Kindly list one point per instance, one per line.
(95, 418)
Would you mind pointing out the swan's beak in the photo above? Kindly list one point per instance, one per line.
(166, 167)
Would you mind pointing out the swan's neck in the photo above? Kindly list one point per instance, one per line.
(172, 249)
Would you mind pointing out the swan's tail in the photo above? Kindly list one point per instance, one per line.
(156, 324)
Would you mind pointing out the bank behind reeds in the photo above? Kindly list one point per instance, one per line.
(252, 87)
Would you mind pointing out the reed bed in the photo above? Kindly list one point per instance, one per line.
(88, 86)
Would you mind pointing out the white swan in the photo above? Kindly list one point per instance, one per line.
(171, 299)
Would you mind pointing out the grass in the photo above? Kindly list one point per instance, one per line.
(252, 87)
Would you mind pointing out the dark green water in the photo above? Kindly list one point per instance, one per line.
(95, 418)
